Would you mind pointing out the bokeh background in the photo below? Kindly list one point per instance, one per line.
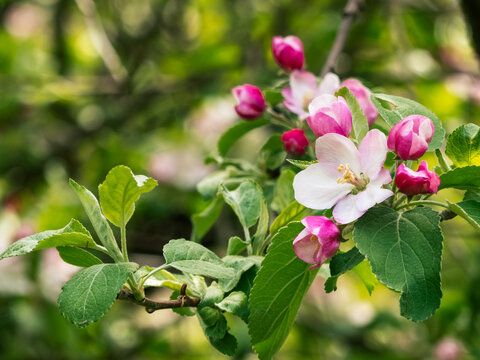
(86, 85)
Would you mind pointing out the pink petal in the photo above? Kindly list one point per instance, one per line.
(373, 152)
(320, 102)
(322, 124)
(333, 150)
(346, 210)
(304, 247)
(316, 190)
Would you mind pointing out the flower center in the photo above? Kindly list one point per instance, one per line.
(314, 239)
(307, 99)
(360, 182)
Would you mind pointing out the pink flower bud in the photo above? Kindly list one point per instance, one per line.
(362, 94)
(288, 52)
(329, 114)
(295, 142)
(318, 242)
(412, 182)
(410, 137)
(251, 102)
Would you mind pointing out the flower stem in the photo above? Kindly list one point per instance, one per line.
(441, 161)
(423, 202)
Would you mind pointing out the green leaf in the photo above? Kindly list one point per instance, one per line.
(89, 294)
(193, 258)
(204, 220)
(359, 120)
(245, 202)
(283, 194)
(463, 145)
(213, 295)
(364, 272)
(231, 136)
(273, 97)
(236, 245)
(73, 234)
(405, 251)
(99, 222)
(384, 110)
(234, 304)
(472, 195)
(292, 212)
(405, 107)
(469, 210)
(463, 178)
(78, 257)
(301, 164)
(277, 293)
(119, 192)
(262, 227)
(331, 284)
(226, 345)
(272, 155)
(239, 264)
(341, 263)
(208, 186)
(161, 278)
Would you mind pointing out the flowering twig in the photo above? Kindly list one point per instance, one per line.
(183, 300)
(351, 10)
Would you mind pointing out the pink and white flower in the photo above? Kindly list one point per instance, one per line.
(251, 102)
(288, 52)
(362, 94)
(412, 182)
(318, 242)
(351, 180)
(303, 89)
(329, 114)
(410, 137)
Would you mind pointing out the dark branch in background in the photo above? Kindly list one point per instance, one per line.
(471, 10)
(351, 10)
(183, 300)
(447, 215)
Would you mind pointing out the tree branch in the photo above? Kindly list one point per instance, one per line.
(447, 215)
(150, 306)
(351, 10)
(471, 9)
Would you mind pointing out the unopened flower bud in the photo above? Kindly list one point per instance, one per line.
(251, 102)
(412, 182)
(410, 137)
(288, 52)
(295, 142)
(318, 242)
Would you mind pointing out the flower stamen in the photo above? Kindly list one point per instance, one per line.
(360, 182)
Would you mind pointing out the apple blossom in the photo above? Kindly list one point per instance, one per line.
(318, 242)
(410, 136)
(288, 52)
(329, 114)
(421, 181)
(351, 180)
(251, 102)
(362, 94)
(295, 142)
(303, 89)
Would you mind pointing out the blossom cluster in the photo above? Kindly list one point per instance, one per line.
(347, 178)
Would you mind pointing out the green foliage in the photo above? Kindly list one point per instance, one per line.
(73, 234)
(365, 274)
(405, 254)
(234, 304)
(359, 120)
(341, 263)
(273, 97)
(283, 194)
(119, 192)
(78, 257)
(204, 220)
(240, 265)
(272, 155)
(277, 293)
(196, 259)
(463, 145)
(404, 107)
(162, 278)
(463, 178)
(236, 245)
(230, 137)
(99, 222)
(301, 164)
(292, 212)
(88, 295)
(246, 202)
(209, 185)
(469, 210)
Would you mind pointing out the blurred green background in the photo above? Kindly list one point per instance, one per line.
(89, 85)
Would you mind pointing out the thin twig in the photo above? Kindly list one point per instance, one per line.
(183, 300)
(349, 13)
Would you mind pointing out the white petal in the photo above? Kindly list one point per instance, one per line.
(330, 84)
(383, 177)
(322, 101)
(303, 85)
(373, 152)
(346, 210)
(316, 190)
(371, 196)
(333, 150)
